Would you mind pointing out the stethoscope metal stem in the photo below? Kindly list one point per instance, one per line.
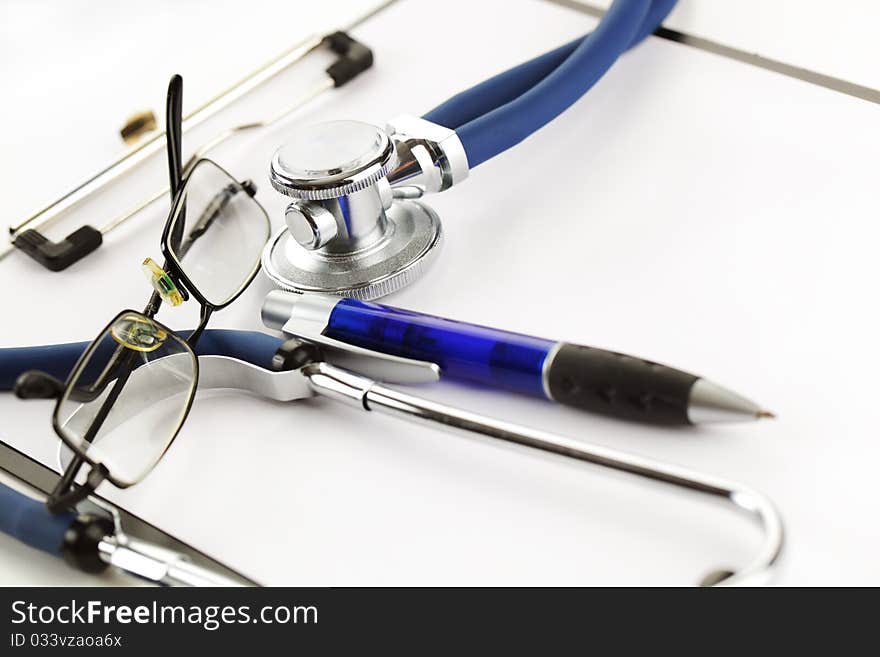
(358, 391)
(153, 562)
(158, 565)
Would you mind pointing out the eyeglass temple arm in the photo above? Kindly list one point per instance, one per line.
(87, 391)
(174, 132)
(66, 493)
(364, 393)
(174, 146)
(204, 316)
(62, 486)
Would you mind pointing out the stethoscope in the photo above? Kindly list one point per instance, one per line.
(356, 225)
(312, 364)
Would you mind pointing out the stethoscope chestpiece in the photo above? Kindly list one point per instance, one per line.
(346, 230)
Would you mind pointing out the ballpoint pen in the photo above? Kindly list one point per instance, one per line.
(584, 377)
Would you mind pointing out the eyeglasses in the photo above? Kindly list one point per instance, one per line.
(131, 390)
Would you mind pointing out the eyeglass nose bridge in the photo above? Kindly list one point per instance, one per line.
(164, 283)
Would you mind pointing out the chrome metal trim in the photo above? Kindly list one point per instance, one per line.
(545, 369)
(410, 246)
(709, 402)
(302, 313)
(430, 157)
(335, 183)
(157, 564)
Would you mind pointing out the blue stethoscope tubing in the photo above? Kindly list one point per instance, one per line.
(28, 520)
(500, 112)
(58, 360)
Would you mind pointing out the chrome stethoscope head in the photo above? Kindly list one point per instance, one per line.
(355, 226)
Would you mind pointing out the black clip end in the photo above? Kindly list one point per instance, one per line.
(57, 256)
(354, 57)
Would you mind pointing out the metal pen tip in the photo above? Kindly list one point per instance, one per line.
(765, 414)
(709, 402)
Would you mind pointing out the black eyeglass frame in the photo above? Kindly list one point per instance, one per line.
(172, 265)
(67, 493)
(82, 361)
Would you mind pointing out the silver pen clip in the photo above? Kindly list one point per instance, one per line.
(373, 364)
(288, 312)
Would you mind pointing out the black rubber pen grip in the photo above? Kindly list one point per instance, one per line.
(616, 384)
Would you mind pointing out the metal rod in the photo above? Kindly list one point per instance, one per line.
(356, 390)
(155, 143)
(325, 85)
(137, 154)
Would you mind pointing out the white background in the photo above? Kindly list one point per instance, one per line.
(690, 209)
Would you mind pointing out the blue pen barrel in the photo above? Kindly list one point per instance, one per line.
(463, 351)
(30, 522)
